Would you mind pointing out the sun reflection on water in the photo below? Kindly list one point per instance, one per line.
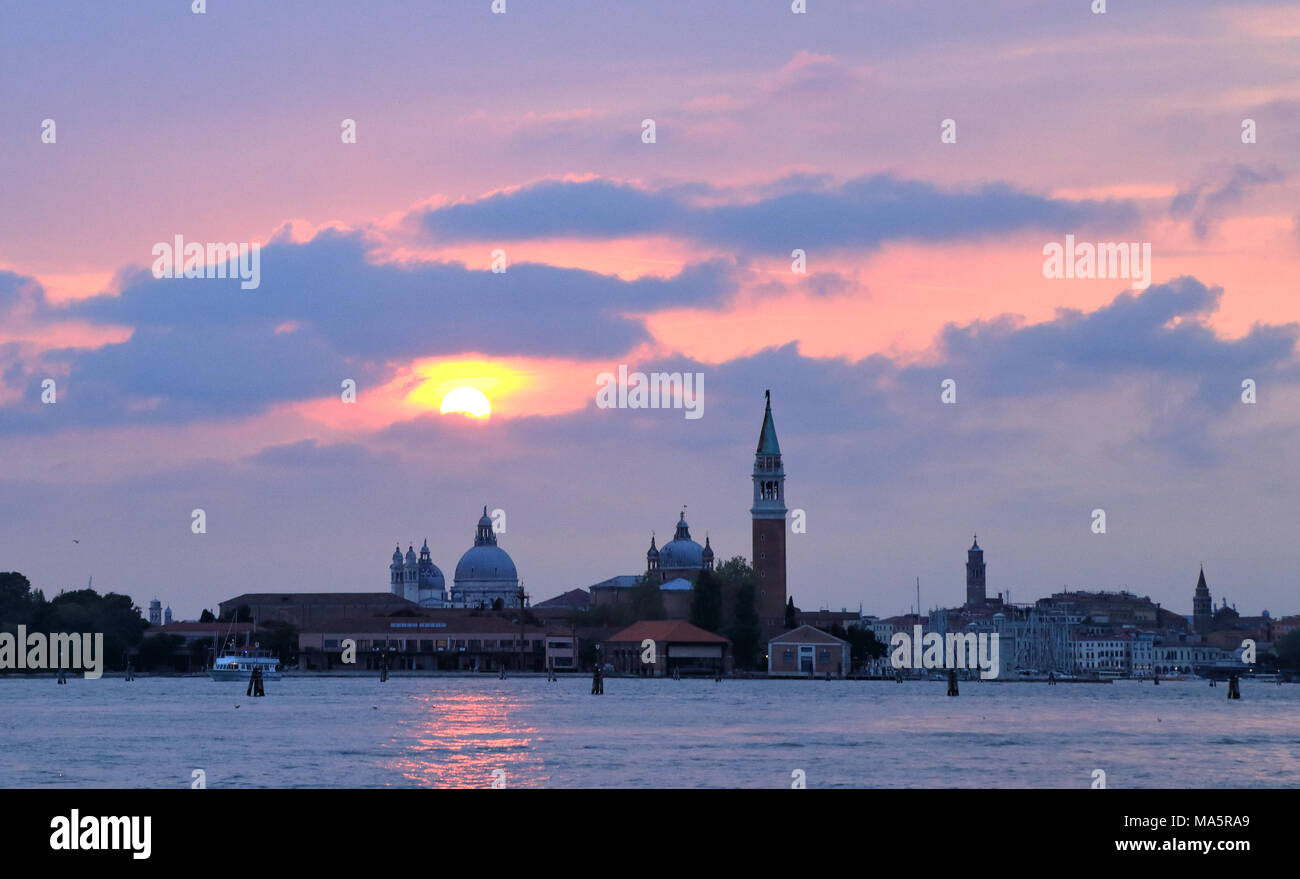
(460, 739)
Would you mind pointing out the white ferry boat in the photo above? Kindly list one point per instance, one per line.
(237, 663)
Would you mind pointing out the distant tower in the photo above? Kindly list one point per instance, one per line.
(652, 561)
(1202, 606)
(411, 576)
(975, 594)
(167, 616)
(707, 555)
(768, 517)
(155, 613)
(395, 572)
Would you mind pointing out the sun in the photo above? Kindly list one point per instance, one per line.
(470, 401)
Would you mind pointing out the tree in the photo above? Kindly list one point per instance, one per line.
(156, 652)
(647, 600)
(706, 602)
(207, 616)
(602, 615)
(863, 644)
(85, 610)
(17, 603)
(732, 574)
(280, 638)
(745, 634)
(1287, 649)
(790, 619)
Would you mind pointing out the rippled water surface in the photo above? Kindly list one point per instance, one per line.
(357, 732)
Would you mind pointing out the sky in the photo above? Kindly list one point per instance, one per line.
(524, 132)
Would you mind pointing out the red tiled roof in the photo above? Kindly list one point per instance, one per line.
(678, 631)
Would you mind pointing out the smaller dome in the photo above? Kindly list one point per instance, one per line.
(397, 555)
(410, 553)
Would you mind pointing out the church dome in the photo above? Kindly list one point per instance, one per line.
(486, 562)
(431, 580)
(681, 551)
(397, 555)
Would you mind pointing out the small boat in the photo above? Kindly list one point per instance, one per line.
(237, 663)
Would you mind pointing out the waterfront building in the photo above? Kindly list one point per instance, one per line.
(678, 646)
(574, 599)
(1182, 657)
(1104, 655)
(825, 619)
(676, 594)
(1142, 653)
(303, 609)
(807, 651)
(456, 639)
(1105, 609)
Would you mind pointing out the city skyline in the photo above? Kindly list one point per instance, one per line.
(803, 219)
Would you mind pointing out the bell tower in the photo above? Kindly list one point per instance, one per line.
(768, 517)
(1202, 606)
(975, 589)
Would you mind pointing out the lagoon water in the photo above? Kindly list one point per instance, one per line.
(441, 732)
